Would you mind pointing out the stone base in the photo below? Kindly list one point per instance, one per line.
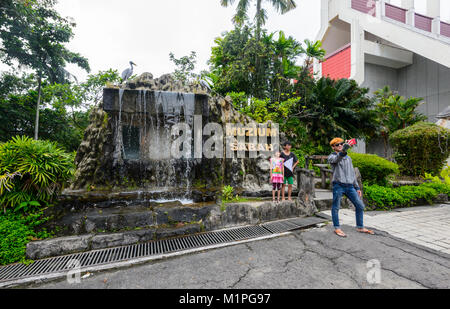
(254, 213)
(74, 244)
(143, 225)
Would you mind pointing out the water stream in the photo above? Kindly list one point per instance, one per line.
(143, 138)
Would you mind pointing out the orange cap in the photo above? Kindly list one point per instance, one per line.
(335, 141)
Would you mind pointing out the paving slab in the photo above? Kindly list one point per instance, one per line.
(428, 226)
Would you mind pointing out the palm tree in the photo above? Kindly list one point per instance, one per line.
(312, 51)
(337, 108)
(395, 112)
(282, 6)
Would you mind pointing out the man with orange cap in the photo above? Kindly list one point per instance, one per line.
(345, 183)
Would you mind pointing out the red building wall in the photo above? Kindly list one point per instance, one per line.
(338, 64)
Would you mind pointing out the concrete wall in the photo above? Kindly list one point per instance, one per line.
(429, 80)
(376, 77)
(424, 78)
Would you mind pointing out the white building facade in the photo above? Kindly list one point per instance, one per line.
(381, 44)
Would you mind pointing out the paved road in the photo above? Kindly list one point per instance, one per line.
(427, 226)
(305, 259)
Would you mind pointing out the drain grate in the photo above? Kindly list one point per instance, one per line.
(120, 254)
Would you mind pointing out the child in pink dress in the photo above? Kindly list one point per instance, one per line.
(277, 174)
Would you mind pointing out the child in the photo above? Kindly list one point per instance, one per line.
(277, 174)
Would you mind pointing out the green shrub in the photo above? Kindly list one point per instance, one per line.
(374, 169)
(16, 231)
(227, 193)
(421, 148)
(444, 176)
(32, 173)
(441, 188)
(384, 198)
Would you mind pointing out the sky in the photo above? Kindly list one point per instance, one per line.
(110, 33)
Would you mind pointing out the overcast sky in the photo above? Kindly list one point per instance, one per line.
(110, 33)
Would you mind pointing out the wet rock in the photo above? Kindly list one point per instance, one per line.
(305, 201)
(263, 165)
(74, 244)
(58, 246)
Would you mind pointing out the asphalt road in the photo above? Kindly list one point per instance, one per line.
(313, 258)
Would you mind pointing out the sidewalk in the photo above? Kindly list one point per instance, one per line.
(428, 226)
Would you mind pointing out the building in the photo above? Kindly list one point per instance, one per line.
(378, 43)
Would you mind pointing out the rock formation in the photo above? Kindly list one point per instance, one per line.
(98, 151)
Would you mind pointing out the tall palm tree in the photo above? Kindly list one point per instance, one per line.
(282, 6)
(312, 51)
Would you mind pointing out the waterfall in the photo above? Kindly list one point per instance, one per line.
(146, 148)
(118, 139)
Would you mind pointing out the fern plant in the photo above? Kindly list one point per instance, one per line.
(32, 172)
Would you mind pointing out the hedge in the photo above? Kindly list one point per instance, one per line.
(374, 169)
(421, 148)
(385, 198)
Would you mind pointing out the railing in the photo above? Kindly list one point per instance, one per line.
(445, 29)
(396, 13)
(423, 22)
(365, 6)
(433, 26)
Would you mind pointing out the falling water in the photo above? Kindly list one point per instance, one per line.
(119, 141)
(133, 134)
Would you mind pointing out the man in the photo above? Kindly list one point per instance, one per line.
(345, 183)
(290, 163)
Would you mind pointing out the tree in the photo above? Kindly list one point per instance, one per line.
(33, 34)
(64, 112)
(230, 65)
(395, 112)
(282, 6)
(184, 67)
(334, 108)
(234, 68)
(312, 51)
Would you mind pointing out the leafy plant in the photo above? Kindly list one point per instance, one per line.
(40, 170)
(444, 176)
(421, 148)
(374, 169)
(227, 193)
(16, 230)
